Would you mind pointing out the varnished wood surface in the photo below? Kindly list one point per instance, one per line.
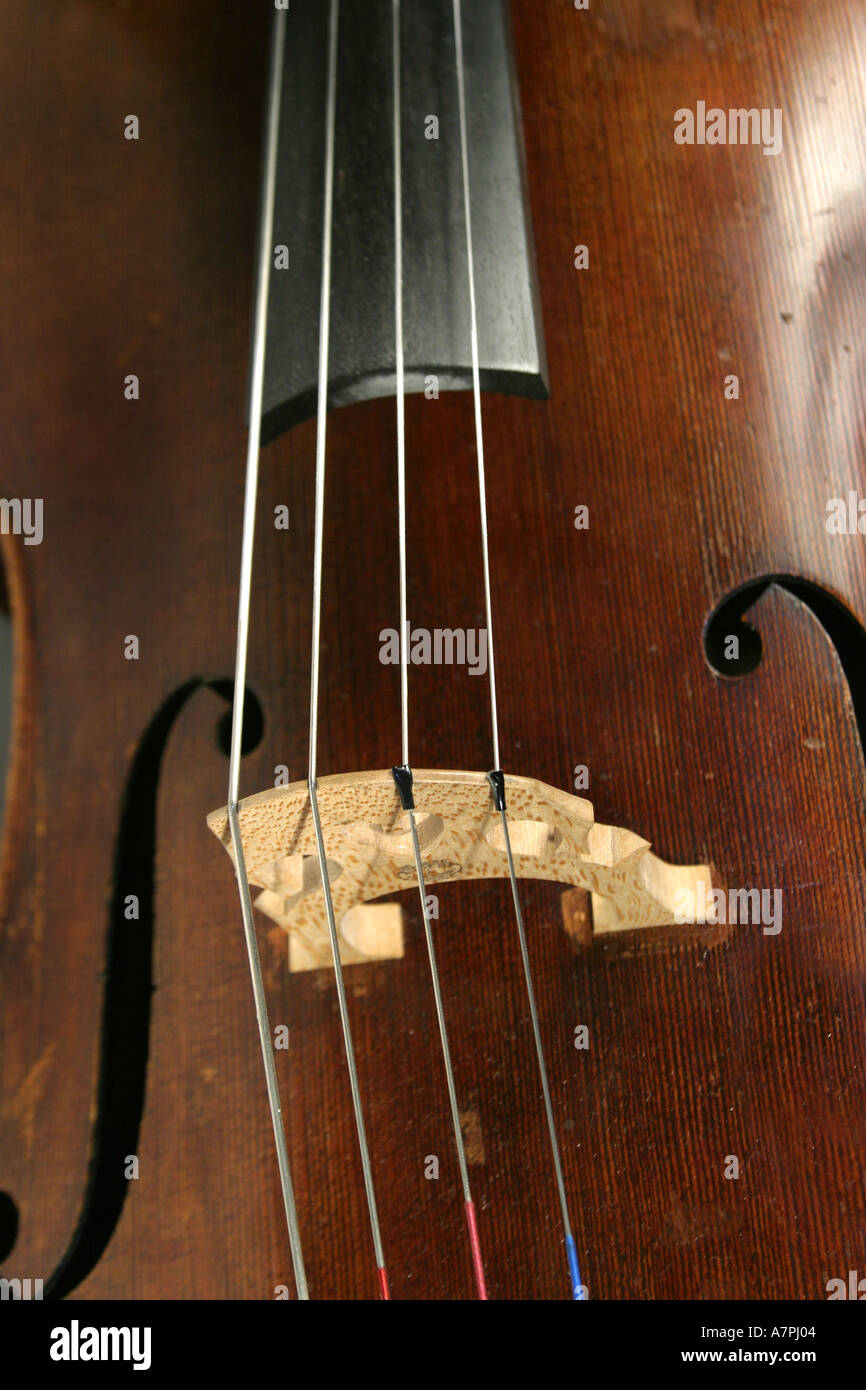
(120, 257)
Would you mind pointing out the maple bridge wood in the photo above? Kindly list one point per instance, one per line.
(553, 835)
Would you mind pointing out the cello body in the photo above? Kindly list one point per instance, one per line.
(132, 1037)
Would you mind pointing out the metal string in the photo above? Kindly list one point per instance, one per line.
(401, 386)
(250, 494)
(497, 779)
(251, 489)
(403, 775)
(321, 429)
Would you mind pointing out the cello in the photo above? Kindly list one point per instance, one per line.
(543, 738)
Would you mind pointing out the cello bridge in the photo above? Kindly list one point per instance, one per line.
(554, 836)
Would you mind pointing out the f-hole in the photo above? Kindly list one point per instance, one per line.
(6, 685)
(8, 1209)
(125, 1034)
(844, 630)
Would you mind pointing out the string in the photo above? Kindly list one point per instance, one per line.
(497, 777)
(250, 494)
(321, 428)
(401, 387)
(403, 775)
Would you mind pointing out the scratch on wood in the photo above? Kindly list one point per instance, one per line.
(470, 1124)
(647, 24)
(29, 1095)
